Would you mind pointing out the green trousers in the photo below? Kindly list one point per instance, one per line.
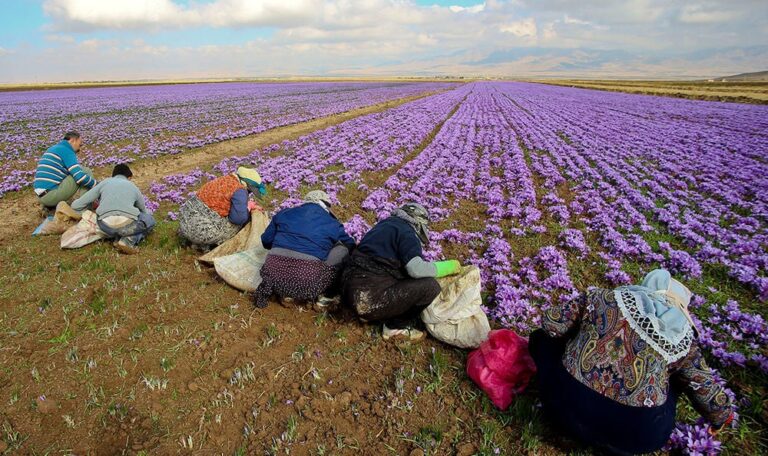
(66, 190)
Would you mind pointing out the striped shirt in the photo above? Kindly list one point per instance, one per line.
(58, 162)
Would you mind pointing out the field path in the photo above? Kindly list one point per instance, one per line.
(20, 211)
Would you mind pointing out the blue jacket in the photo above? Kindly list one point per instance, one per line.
(392, 238)
(58, 162)
(238, 209)
(308, 229)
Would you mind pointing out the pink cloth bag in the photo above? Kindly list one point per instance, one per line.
(502, 366)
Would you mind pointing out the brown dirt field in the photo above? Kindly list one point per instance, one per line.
(156, 307)
(20, 210)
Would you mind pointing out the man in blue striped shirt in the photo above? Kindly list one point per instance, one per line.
(59, 175)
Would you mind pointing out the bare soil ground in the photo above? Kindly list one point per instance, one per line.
(150, 354)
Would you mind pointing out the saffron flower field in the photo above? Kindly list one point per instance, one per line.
(128, 123)
(549, 190)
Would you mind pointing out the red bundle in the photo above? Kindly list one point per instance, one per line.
(502, 366)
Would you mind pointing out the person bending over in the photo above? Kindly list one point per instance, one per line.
(388, 280)
(307, 246)
(121, 212)
(220, 209)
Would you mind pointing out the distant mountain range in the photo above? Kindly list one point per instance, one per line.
(757, 76)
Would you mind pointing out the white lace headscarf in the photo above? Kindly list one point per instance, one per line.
(658, 311)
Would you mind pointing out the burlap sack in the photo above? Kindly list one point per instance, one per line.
(248, 238)
(455, 316)
(85, 232)
(64, 218)
(242, 270)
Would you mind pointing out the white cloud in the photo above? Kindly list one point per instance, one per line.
(386, 36)
(139, 14)
(265, 12)
(91, 15)
(469, 9)
(572, 20)
(427, 40)
(698, 14)
(116, 13)
(522, 28)
(603, 11)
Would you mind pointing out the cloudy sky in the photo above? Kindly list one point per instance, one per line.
(75, 40)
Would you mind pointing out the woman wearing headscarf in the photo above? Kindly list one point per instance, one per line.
(611, 364)
(387, 278)
(307, 245)
(220, 208)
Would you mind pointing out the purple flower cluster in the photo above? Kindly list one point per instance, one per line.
(178, 187)
(538, 282)
(680, 262)
(573, 240)
(357, 227)
(693, 440)
(728, 326)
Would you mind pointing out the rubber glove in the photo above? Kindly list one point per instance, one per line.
(448, 267)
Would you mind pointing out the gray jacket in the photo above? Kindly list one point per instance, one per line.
(117, 196)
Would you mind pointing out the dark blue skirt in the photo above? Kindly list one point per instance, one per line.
(590, 417)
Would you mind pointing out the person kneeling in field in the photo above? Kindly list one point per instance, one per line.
(121, 212)
(612, 363)
(386, 279)
(220, 209)
(307, 247)
(59, 175)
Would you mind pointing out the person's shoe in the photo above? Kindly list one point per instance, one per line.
(286, 301)
(407, 334)
(326, 304)
(126, 248)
